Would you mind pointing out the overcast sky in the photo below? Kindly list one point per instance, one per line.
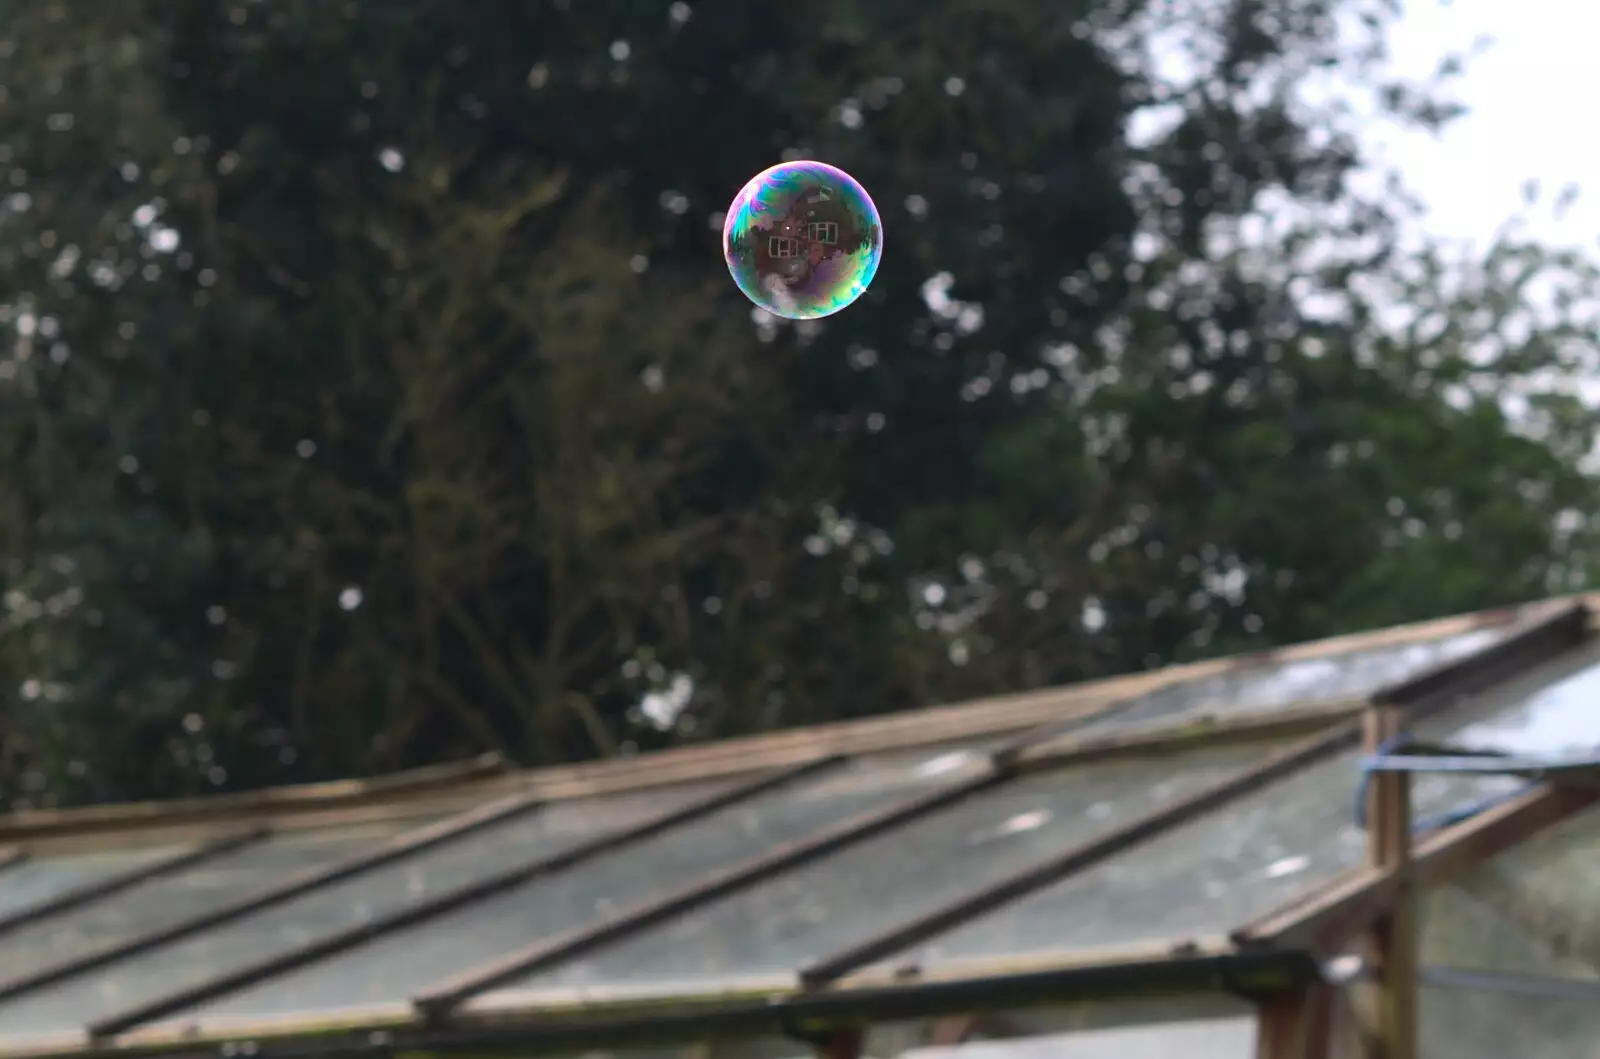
(1531, 92)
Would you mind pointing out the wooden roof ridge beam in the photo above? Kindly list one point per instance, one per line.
(734, 759)
(1012, 712)
(118, 882)
(13, 856)
(446, 773)
(1528, 643)
(1035, 742)
(915, 729)
(469, 893)
(51, 823)
(1055, 729)
(1181, 733)
(1535, 641)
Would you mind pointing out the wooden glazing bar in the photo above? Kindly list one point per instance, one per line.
(246, 807)
(1535, 642)
(320, 948)
(1326, 919)
(1183, 734)
(1076, 858)
(549, 952)
(409, 844)
(111, 885)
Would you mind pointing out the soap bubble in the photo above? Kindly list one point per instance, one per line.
(803, 240)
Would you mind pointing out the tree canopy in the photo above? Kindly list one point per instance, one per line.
(372, 391)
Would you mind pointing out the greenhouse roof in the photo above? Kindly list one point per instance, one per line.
(1177, 833)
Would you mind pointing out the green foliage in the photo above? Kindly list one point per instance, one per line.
(372, 391)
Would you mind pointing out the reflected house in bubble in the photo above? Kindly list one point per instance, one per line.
(802, 240)
(818, 225)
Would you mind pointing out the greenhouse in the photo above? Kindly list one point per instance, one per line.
(1376, 845)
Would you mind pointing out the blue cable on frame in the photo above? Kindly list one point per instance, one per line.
(1405, 754)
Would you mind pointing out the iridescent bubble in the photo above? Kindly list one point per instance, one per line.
(803, 240)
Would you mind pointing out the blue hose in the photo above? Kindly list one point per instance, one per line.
(1447, 760)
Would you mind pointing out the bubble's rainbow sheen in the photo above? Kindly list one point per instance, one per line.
(803, 240)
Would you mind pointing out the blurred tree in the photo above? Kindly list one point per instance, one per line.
(374, 393)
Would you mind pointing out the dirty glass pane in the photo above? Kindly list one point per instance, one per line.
(1458, 1023)
(1279, 685)
(1197, 1026)
(394, 967)
(1267, 847)
(802, 915)
(166, 899)
(1460, 929)
(1531, 910)
(41, 879)
(1221, 1039)
(337, 907)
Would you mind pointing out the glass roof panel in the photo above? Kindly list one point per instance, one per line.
(1551, 712)
(1235, 864)
(167, 899)
(393, 967)
(336, 907)
(818, 909)
(1278, 685)
(40, 879)
(1548, 713)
